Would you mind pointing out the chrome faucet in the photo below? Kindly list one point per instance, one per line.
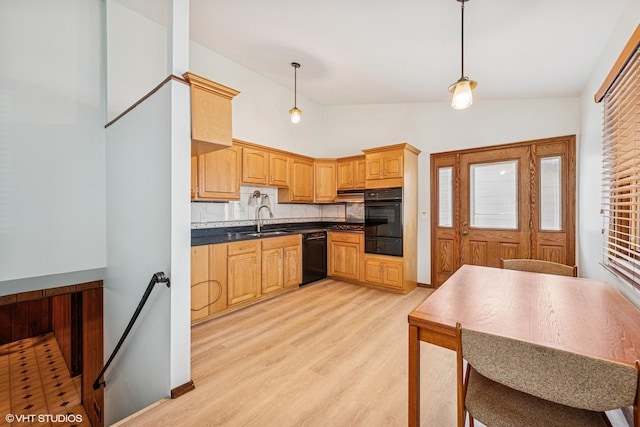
(258, 219)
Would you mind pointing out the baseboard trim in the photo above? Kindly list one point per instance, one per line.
(425, 285)
(182, 389)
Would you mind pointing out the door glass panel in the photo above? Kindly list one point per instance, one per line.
(551, 193)
(494, 195)
(445, 197)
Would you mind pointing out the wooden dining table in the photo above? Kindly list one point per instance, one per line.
(573, 314)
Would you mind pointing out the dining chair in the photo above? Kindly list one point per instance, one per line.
(510, 382)
(539, 266)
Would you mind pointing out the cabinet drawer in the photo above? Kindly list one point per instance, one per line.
(243, 247)
(280, 242)
(345, 237)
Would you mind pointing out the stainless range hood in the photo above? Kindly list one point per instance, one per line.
(350, 196)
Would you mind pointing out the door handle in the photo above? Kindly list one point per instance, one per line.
(464, 232)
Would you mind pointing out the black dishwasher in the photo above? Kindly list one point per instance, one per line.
(314, 256)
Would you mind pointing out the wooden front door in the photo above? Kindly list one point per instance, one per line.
(509, 201)
(494, 206)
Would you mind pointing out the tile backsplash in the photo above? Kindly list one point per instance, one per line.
(243, 211)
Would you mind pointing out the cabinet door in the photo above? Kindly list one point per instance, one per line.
(194, 177)
(374, 167)
(255, 165)
(199, 282)
(360, 171)
(292, 266)
(392, 166)
(345, 175)
(373, 271)
(301, 180)
(219, 174)
(278, 170)
(325, 176)
(217, 277)
(345, 260)
(384, 272)
(243, 277)
(272, 274)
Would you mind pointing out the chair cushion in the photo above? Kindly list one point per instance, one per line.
(496, 405)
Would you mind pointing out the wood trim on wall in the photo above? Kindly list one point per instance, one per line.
(151, 92)
(182, 389)
(49, 292)
(625, 55)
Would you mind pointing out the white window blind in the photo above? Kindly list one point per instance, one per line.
(621, 174)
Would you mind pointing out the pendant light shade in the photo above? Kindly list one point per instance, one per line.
(462, 96)
(295, 112)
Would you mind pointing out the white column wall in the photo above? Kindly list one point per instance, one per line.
(590, 158)
(144, 236)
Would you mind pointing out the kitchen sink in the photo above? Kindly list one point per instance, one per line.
(266, 233)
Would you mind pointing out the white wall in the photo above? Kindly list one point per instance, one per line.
(590, 157)
(52, 110)
(436, 127)
(148, 231)
(261, 110)
(137, 52)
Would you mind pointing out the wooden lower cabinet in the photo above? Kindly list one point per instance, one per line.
(347, 260)
(243, 271)
(292, 269)
(345, 251)
(208, 280)
(281, 263)
(228, 276)
(272, 271)
(383, 271)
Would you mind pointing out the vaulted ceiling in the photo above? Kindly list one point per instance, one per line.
(404, 51)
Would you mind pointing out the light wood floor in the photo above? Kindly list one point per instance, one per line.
(328, 354)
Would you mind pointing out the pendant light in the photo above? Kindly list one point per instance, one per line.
(295, 111)
(462, 96)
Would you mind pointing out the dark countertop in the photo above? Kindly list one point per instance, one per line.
(209, 236)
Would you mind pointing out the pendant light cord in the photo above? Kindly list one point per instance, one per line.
(295, 87)
(462, 36)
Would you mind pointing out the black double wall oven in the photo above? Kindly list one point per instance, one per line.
(383, 221)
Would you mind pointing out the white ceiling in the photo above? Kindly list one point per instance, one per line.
(403, 51)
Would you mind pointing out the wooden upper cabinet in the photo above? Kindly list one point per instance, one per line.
(255, 166)
(263, 166)
(385, 165)
(301, 183)
(218, 175)
(325, 180)
(210, 114)
(278, 170)
(360, 167)
(351, 173)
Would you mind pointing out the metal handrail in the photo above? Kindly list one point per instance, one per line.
(156, 278)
